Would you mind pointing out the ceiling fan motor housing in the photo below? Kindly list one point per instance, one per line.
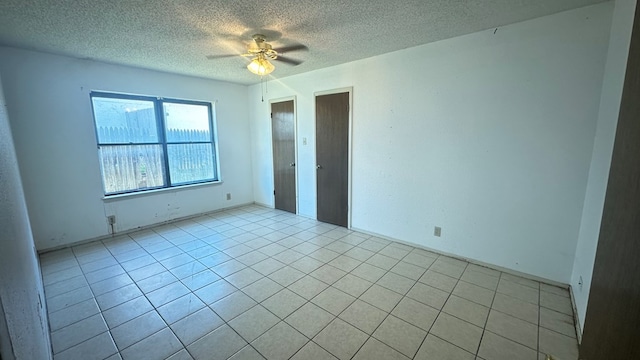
(260, 46)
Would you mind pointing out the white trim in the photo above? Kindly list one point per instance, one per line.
(471, 261)
(576, 318)
(141, 228)
(349, 151)
(295, 145)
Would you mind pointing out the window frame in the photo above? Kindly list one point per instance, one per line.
(160, 121)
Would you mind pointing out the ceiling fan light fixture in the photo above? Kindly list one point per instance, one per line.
(260, 66)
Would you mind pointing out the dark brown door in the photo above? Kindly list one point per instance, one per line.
(332, 147)
(284, 157)
(612, 325)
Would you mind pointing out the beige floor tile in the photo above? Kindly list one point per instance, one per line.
(480, 279)
(286, 276)
(73, 313)
(247, 353)
(513, 328)
(394, 252)
(435, 348)
(474, 293)
(157, 346)
(243, 277)
(447, 268)
(196, 325)
(438, 281)
(253, 322)
(416, 313)
(311, 351)
(333, 300)
(80, 331)
(262, 289)
(458, 332)
(516, 308)
(341, 339)
(560, 346)
(309, 319)
(375, 350)
(521, 280)
(136, 329)
(518, 291)
(267, 266)
(395, 282)
(183, 354)
(280, 342)
(400, 335)
(328, 274)
(100, 346)
(359, 253)
(352, 285)
(557, 322)
(284, 303)
(556, 302)
(483, 269)
(428, 295)
(339, 246)
(308, 287)
(466, 310)
(368, 272)
(560, 291)
(408, 270)
(380, 297)
(219, 344)
(215, 291)
(306, 264)
(233, 305)
(345, 263)
(363, 316)
(419, 260)
(494, 347)
(382, 261)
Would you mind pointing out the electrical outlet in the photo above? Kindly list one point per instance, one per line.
(228, 196)
(437, 231)
(304, 141)
(111, 219)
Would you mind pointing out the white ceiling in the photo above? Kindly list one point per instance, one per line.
(177, 35)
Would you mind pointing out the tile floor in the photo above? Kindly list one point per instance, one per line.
(256, 283)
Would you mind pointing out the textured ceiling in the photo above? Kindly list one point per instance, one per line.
(177, 35)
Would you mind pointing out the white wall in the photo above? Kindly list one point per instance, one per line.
(613, 82)
(24, 330)
(48, 97)
(487, 135)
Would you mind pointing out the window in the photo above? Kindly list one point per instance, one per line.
(149, 143)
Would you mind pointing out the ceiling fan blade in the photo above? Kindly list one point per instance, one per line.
(291, 48)
(287, 60)
(213, 57)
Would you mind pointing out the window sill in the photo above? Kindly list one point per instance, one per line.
(156, 191)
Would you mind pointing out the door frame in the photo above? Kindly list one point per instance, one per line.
(350, 146)
(295, 147)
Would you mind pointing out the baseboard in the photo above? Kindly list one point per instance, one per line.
(141, 228)
(576, 319)
(472, 261)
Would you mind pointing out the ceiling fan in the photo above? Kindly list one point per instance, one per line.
(262, 52)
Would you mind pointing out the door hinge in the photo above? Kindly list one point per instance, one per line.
(272, 115)
(274, 193)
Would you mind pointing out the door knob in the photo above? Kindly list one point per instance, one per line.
(318, 166)
(292, 164)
